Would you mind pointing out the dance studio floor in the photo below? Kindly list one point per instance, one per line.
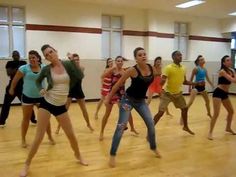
(184, 155)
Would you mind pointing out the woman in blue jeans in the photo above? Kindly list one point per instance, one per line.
(142, 75)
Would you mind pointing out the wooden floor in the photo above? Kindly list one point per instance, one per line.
(183, 155)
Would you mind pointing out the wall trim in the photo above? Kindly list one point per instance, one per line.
(147, 33)
(63, 28)
(36, 27)
(211, 39)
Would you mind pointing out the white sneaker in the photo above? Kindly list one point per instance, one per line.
(2, 125)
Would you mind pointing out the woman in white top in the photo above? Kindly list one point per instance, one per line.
(61, 76)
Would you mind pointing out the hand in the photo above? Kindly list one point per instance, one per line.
(11, 91)
(43, 92)
(107, 100)
(202, 83)
(190, 89)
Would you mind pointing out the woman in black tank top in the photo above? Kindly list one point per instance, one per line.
(220, 95)
(141, 75)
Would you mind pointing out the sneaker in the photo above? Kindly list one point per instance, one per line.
(33, 121)
(2, 125)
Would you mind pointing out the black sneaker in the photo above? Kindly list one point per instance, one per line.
(33, 121)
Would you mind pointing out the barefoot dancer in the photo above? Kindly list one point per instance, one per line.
(220, 95)
(200, 74)
(77, 93)
(142, 75)
(60, 75)
(106, 85)
(156, 86)
(116, 74)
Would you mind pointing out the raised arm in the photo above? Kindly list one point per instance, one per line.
(227, 76)
(107, 72)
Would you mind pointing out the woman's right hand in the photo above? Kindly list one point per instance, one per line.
(11, 91)
(43, 92)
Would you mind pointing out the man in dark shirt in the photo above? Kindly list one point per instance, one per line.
(11, 68)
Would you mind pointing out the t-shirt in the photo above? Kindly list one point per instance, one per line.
(175, 77)
(29, 85)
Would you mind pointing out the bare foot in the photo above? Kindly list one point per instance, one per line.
(112, 161)
(210, 137)
(23, 144)
(157, 153)
(96, 116)
(24, 171)
(57, 131)
(90, 128)
(134, 131)
(209, 115)
(188, 130)
(81, 160)
(101, 137)
(230, 131)
(168, 114)
(51, 141)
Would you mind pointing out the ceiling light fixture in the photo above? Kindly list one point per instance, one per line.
(234, 14)
(190, 4)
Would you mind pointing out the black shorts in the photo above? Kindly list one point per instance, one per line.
(219, 93)
(200, 88)
(54, 110)
(30, 101)
(76, 91)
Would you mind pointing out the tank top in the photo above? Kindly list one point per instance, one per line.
(140, 84)
(106, 86)
(223, 80)
(120, 92)
(201, 74)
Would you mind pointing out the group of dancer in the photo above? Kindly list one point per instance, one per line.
(64, 79)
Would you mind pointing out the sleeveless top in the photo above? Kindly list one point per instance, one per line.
(120, 92)
(156, 86)
(106, 86)
(223, 80)
(140, 84)
(201, 74)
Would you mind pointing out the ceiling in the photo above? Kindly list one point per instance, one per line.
(212, 8)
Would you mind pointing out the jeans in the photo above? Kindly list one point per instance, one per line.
(126, 105)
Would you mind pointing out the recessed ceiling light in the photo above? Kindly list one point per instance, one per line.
(190, 4)
(234, 14)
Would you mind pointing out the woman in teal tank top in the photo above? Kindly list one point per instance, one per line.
(200, 74)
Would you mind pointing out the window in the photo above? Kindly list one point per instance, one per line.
(12, 31)
(181, 38)
(111, 36)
